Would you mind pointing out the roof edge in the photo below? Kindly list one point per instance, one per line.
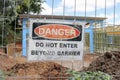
(61, 17)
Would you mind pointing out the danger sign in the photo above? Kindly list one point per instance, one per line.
(55, 41)
(56, 31)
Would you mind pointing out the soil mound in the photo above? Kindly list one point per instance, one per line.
(15, 69)
(38, 71)
(6, 61)
(108, 63)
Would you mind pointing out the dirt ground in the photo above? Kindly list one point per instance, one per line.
(108, 63)
(19, 69)
(6, 61)
(55, 70)
(77, 64)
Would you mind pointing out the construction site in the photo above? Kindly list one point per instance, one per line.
(58, 46)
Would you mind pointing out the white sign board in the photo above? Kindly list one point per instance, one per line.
(55, 40)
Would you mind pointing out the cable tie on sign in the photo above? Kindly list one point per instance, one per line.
(44, 19)
(74, 22)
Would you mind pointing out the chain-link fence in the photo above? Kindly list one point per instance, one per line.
(101, 39)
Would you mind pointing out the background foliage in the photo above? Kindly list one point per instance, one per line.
(9, 17)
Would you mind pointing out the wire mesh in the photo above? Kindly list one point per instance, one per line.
(105, 36)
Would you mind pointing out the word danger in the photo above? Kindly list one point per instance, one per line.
(48, 31)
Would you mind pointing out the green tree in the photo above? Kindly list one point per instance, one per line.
(9, 12)
(26, 6)
(16, 7)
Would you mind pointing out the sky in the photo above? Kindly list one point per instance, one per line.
(92, 8)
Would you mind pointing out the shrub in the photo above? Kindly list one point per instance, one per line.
(2, 77)
(88, 75)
